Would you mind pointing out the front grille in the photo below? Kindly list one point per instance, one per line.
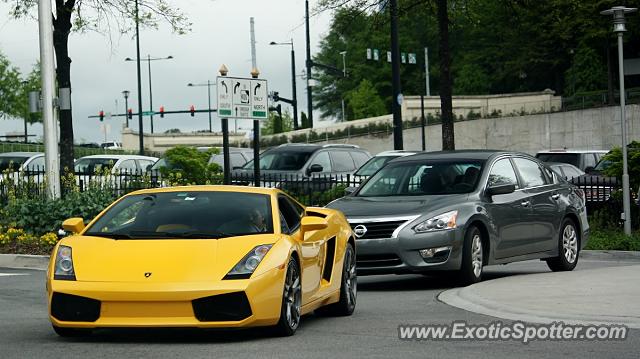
(222, 308)
(378, 229)
(73, 308)
(377, 260)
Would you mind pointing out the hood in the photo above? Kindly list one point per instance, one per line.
(98, 259)
(393, 206)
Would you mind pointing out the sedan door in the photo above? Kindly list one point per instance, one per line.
(544, 217)
(509, 213)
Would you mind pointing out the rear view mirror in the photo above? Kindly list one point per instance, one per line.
(314, 168)
(73, 225)
(588, 170)
(501, 189)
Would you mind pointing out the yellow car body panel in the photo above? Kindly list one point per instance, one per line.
(152, 282)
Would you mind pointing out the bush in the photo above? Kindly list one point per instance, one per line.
(613, 240)
(16, 240)
(188, 166)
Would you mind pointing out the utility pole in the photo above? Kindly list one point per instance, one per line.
(49, 115)
(344, 74)
(395, 73)
(140, 124)
(254, 60)
(426, 70)
(309, 64)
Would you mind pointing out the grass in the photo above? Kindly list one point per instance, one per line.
(608, 239)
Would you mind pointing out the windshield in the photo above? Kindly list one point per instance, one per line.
(159, 164)
(95, 165)
(11, 162)
(193, 215)
(603, 165)
(373, 165)
(281, 161)
(423, 178)
(570, 158)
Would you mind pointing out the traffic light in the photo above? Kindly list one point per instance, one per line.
(130, 113)
(192, 110)
(101, 114)
(276, 96)
(161, 111)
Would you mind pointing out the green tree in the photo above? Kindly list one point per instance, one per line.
(14, 91)
(304, 120)
(587, 73)
(97, 15)
(633, 161)
(188, 166)
(365, 102)
(273, 125)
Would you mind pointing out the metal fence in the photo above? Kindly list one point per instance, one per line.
(316, 190)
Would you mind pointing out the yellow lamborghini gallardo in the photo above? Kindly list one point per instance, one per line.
(202, 256)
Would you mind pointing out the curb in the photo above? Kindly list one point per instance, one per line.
(24, 261)
(610, 255)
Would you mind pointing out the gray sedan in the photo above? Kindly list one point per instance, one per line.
(462, 210)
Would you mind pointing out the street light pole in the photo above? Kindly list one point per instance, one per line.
(344, 73)
(395, 74)
(620, 28)
(148, 60)
(308, 63)
(125, 93)
(294, 95)
(140, 124)
(208, 84)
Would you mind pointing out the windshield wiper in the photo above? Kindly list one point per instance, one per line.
(109, 235)
(185, 234)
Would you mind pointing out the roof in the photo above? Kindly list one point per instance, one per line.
(120, 157)
(454, 155)
(210, 188)
(298, 147)
(396, 153)
(572, 151)
(20, 154)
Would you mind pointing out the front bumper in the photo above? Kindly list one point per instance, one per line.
(185, 304)
(400, 253)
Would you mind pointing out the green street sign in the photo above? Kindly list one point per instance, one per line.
(148, 113)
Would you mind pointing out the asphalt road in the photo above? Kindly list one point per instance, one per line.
(384, 302)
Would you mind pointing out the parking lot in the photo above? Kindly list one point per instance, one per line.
(384, 302)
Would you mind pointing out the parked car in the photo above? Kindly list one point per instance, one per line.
(379, 160)
(112, 145)
(17, 166)
(316, 165)
(462, 210)
(239, 157)
(94, 167)
(585, 160)
(565, 170)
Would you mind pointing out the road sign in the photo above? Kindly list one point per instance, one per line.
(225, 101)
(259, 99)
(242, 98)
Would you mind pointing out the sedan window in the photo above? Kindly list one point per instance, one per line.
(423, 178)
(531, 173)
(502, 173)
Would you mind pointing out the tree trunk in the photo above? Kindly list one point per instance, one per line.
(448, 139)
(61, 30)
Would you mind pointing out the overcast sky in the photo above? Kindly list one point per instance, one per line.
(220, 34)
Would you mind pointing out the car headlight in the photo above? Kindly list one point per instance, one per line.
(64, 264)
(437, 223)
(247, 265)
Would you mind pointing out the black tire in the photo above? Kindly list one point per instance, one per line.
(71, 332)
(291, 301)
(472, 257)
(568, 248)
(348, 288)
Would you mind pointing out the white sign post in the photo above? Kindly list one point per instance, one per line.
(242, 98)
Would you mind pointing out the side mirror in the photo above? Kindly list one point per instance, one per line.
(349, 190)
(73, 225)
(589, 170)
(501, 189)
(311, 223)
(314, 168)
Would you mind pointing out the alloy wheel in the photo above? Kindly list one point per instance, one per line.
(476, 255)
(292, 297)
(351, 278)
(570, 243)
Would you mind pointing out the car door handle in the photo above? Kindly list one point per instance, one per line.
(555, 196)
(525, 203)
